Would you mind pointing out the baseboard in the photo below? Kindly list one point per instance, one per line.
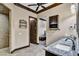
(19, 48)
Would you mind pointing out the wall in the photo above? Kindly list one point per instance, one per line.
(66, 18)
(18, 37)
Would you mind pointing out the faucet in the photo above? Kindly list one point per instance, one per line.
(73, 42)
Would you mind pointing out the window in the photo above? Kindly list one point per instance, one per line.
(53, 21)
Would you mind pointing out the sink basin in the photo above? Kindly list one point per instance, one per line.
(62, 47)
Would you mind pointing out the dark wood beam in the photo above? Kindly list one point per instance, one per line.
(49, 7)
(24, 7)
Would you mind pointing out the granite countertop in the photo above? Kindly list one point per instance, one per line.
(59, 52)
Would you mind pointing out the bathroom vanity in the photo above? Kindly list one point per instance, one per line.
(61, 48)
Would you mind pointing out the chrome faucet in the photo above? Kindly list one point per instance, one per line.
(73, 42)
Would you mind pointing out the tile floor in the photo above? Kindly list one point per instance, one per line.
(33, 50)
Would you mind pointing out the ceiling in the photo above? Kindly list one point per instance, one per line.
(34, 7)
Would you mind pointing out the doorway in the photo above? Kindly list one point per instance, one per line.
(42, 31)
(33, 29)
(4, 26)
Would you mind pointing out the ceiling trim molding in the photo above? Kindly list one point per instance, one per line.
(24, 7)
(49, 7)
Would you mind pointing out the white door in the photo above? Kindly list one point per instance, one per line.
(4, 31)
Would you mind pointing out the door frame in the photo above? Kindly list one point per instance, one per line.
(37, 29)
(9, 23)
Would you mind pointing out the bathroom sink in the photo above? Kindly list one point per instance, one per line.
(62, 47)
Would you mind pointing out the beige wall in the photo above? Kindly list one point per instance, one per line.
(18, 37)
(66, 18)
